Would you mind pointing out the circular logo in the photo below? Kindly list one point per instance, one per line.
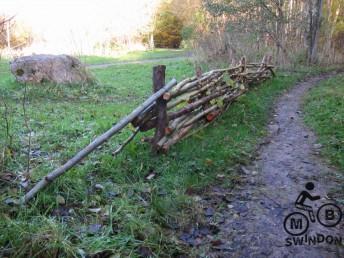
(329, 215)
(296, 223)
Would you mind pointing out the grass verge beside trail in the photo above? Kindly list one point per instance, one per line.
(324, 113)
(106, 205)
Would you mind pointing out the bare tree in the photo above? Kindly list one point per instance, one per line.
(315, 13)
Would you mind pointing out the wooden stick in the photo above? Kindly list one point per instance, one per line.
(229, 69)
(174, 123)
(183, 82)
(147, 114)
(96, 143)
(192, 85)
(263, 64)
(172, 129)
(192, 94)
(176, 138)
(200, 115)
(175, 103)
(121, 147)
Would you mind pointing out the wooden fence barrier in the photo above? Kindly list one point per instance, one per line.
(176, 110)
(195, 102)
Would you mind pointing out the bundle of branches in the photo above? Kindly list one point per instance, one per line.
(195, 102)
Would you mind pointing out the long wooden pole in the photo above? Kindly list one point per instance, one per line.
(96, 143)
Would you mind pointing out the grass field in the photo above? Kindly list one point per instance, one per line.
(135, 55)
(324, 108)
(106, 205)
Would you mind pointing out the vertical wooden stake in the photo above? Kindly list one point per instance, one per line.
(161, 104)
(243, 64)
(200, 85)
(263, 64)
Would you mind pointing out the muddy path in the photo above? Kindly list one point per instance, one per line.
(249, 220)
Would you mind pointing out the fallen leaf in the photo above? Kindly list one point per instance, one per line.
(144, 251)
(216, 242)
(150, 176)
(209, 162)
(197, 198)
(95, 210)
(60, 200)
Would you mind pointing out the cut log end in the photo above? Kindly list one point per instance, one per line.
(168, 130)
(211, 116)
(167, 96)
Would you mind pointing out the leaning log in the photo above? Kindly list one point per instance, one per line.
(96, 143)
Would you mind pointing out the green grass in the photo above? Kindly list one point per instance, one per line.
(135, 212)
(135, 56)
(324, 109)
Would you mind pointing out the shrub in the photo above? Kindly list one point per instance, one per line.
(167, 30)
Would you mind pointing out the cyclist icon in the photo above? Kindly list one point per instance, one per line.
(297, 223)
(303, 196)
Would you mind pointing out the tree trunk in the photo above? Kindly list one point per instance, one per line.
(314, 28)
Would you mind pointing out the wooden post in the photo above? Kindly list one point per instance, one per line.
(161, 104)
(243, 69)
(243, 64)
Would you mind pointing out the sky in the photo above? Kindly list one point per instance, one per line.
(67, 24)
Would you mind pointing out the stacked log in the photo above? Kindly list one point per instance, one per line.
(197, 101)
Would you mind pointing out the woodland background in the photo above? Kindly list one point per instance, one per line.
(293, 31)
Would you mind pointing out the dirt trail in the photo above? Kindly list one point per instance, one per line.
(145, 61)
(251, 222)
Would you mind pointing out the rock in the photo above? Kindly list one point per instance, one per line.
(245, 170)
(209, 212)
(317, 146)
(274, 128)
(12, 201)
(99, 187)
(61, 69)
(94, 228)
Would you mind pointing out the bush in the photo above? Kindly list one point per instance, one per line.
(167, 30)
